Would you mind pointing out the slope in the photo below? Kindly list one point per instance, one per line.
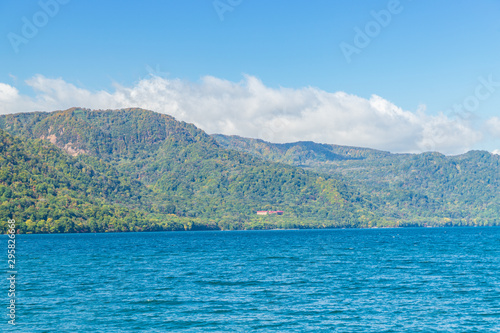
(194, 175)
(427, 188)
(46, 190)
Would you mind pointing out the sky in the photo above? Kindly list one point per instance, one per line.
(402, 76)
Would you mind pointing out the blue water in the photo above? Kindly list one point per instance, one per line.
(378, 280)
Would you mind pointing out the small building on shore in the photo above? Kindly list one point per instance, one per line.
(270, 212)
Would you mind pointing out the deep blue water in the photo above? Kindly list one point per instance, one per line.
(376, 280)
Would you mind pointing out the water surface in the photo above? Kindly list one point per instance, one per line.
(375, 280)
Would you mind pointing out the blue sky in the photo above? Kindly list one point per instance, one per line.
(398, 92)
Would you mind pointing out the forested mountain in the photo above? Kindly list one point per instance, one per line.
(156, 173)
(299, 153)
(82, 170)
(424, 188)
(46, 190)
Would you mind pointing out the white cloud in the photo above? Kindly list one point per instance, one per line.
(493, 125)
(7, 92)
(249, 108)
(496, 152)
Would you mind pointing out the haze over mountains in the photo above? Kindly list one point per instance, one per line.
(82, 170)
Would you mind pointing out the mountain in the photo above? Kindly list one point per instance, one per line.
(82, 170)
(426, 188)
(152, 172)
(299, 153)
(46, 190)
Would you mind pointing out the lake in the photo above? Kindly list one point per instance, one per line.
(348, 280)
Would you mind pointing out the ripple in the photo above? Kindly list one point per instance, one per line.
(269, 281)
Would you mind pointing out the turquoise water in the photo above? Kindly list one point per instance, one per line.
(378, 280)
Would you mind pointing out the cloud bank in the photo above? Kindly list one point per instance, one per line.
(493, 125)
(249, 108)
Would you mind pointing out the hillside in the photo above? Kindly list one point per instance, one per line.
(172, 171)
(46, 190)
(82, 170)
(298, 153)
(427, 187)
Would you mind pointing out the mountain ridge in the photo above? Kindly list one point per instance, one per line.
(429, 177)
(177, 177)
(194, 176)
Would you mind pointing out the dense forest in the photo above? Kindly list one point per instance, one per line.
(151, 172)
(427, 188)
(82, 170)
(47, 191)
